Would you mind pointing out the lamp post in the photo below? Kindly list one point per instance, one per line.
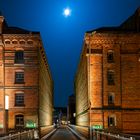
(89, 96)
(6, 112)
(89, 83)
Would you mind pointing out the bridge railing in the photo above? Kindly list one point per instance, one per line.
(26, 135)
(101, 134)
(97, 135)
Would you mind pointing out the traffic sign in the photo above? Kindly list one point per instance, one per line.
(97, 127)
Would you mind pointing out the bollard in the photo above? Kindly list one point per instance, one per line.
(131, 138)
(19, 135)
(10, 136)
(36, 136)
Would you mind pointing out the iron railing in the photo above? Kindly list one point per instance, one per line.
(25, 135)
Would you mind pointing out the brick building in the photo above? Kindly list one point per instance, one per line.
(25, 80)
(107, 83)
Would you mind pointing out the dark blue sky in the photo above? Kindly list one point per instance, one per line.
(63, 37)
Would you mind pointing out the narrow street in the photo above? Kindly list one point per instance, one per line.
(63, 133)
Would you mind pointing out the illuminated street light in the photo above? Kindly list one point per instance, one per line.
(6, 112)
(6, 102)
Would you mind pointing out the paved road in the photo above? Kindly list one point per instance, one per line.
(63, 133)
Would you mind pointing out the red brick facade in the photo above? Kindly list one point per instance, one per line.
(37, 87)
(108, 78)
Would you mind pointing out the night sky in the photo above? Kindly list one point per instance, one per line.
(63, 36)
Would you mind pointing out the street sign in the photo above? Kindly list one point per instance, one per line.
(30, 124)
(97, 127)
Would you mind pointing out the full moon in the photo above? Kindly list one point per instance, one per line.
(67, 12)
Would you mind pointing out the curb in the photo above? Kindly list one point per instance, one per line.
(48, 135)
(79, 136)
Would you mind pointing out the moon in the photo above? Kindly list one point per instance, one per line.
(67, 12)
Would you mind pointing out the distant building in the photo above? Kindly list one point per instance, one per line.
(60, 115)
(107, 82)
(71, 113)
(25, 80)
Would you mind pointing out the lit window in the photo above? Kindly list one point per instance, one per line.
(19, 99)
(19, 121)
(19, 77)
(110, 77)
(19, 57)
(111, 121)
(110, 56)
(111, 98)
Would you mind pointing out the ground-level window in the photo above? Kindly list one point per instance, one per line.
(19, 121)
(111, 121)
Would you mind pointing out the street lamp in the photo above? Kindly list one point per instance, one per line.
(6, 112)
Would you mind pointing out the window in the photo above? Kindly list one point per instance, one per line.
(19, 99)
(14, 42)
(7, 42)
(22, 42)
(110, 77)
(111, 98)
(19, 121)
(19, 77)
(19, 57)
(30, 42)
(111, 121)
(110, 56)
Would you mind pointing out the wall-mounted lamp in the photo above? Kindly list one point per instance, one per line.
(6, 102)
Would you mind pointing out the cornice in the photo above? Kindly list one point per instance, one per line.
(20, 36)
(110, 38)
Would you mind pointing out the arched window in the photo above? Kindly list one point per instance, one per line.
(7, 42)
(19, 121)
(30, 42)
(14, 42)
(21, 42)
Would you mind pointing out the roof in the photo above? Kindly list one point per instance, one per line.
(132, 24)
